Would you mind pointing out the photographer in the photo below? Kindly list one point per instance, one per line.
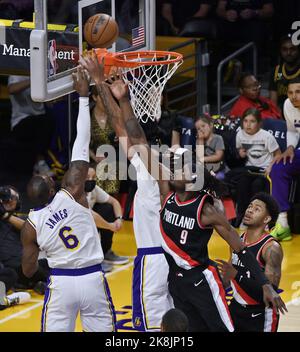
(11, 248)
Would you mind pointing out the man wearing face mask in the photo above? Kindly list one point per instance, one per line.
(110, 209)
(11, 246)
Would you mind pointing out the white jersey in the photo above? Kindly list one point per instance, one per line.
(146, 207)
(66, 231)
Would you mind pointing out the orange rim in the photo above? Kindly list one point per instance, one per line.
(125, 59)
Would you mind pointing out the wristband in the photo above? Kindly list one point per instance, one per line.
(119, 218)
(250, 262)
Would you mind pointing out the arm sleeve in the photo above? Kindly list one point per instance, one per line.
(101, 195)
(80, 149)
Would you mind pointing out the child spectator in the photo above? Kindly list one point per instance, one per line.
(250, 98)
(213, 146)
(260, 148)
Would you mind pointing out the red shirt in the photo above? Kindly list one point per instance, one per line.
(243, 103)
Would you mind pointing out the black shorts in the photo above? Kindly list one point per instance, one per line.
(199, 293)
(253, 318)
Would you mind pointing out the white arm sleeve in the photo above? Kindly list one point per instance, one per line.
(82, 142)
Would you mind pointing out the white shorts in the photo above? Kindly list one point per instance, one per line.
(73, 291)
(151, 298)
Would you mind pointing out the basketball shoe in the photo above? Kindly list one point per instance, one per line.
(281, 233)
(112, 258)
(13, 299)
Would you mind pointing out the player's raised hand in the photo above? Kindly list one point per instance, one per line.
(89, 61)
(272, 299)
(117, 86)
(227, 271)
(81, 82)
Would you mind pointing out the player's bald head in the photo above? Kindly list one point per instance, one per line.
(40, 189)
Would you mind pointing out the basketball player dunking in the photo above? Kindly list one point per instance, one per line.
(247, 307)
(187, 222)
(150, 295)
(63, 227)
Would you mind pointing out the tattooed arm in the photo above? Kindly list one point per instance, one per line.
(273, 256)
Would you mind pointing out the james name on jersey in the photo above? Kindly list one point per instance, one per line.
(56, 218)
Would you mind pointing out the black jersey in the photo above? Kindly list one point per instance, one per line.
(184, 237)
(245, 289)
(279, 81)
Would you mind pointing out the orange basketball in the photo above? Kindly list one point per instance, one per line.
(101, 30)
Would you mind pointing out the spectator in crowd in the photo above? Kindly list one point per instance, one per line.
(261, 149)
(176, 13)
(11, 246)
(103, 134)
(250, 98)
(212, 153)
(245, 20)
(183, 133)
(285, 71)
(174, 321)
(30, 125)
(110, 209)
(287, 167)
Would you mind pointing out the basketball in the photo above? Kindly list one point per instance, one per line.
(101, 30)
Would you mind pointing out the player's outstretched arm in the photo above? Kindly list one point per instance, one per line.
(137, 136)
(273, 255)
(75, 177)
(210, 217)
(30, 250)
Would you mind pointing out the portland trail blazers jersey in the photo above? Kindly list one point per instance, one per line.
(66, 231)
(245, 289)
(184, 237)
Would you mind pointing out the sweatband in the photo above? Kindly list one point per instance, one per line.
(81, 145)
(250, 263)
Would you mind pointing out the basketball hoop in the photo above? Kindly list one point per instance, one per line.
(146, 73)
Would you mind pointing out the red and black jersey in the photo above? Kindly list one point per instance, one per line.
(184, 237)
(245, 289)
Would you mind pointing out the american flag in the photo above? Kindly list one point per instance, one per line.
(138, 36)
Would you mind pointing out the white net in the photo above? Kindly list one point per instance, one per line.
(146, 84)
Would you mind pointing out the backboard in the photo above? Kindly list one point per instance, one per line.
(54, 54)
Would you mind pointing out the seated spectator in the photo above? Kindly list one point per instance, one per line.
(11, 246)
(260, 149)
(110, 209)
(245, 20)
(174, 321)
(103, 134)
(176, 13)
(283, 73)
(30, 126)
(250, 98)
(287, 167)
(213, 145)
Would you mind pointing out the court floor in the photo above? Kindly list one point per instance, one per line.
(26, 318)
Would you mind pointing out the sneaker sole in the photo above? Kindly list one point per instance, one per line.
(116, 262)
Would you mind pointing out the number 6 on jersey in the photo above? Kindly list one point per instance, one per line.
(70, 241)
